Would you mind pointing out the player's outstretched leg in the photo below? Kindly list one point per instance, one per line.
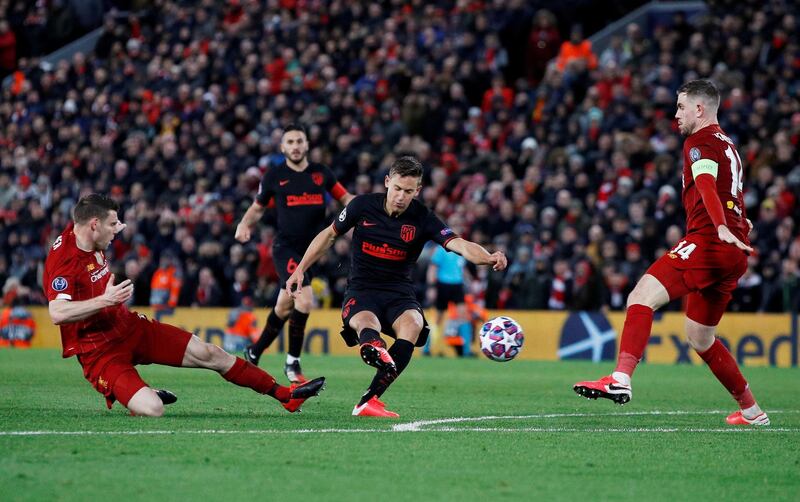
(244, 374)
(373, 351)
(720, 361)
(617, 386)
(370, 404)
(297, 331)
(253, 352)
(648, 295)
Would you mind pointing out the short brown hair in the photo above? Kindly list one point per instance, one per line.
(93, 206)
(701, 88)
(406, 166)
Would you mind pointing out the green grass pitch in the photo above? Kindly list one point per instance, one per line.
(469, 430)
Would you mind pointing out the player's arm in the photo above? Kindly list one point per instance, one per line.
(704, 172)
(477, 254)
(336, 189)
(63, 311)
(316, 250)
(251, 217)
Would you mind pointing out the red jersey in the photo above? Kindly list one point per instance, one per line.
(73, 274)
(711, 151)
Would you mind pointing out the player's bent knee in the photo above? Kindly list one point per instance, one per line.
(701, 344)
(146, 403)
(700, 337)
(410, 333)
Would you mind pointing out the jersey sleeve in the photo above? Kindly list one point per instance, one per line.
(265, 189)
(435, 230)
(332, 184)
(705, 159)
(61, 280)
(349, 216)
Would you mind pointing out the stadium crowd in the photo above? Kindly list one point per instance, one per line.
(566, 159)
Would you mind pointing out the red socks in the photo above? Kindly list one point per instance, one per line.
(245, 374)
(635, 334)
(724, 367)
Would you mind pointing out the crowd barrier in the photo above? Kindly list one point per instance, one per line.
(754, 339)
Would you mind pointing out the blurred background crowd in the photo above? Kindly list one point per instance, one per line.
(567, 159)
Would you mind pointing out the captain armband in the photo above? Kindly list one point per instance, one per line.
(704, 166)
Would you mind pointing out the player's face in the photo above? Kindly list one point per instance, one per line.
(104, 230)
(294, 146)
(400, 191)
(686, 114)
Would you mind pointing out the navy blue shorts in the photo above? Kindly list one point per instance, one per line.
(387, 307)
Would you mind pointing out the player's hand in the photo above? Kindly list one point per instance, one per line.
(242, 233)
(294, 283)
(725, 235)
(120, 293)
(498, 261)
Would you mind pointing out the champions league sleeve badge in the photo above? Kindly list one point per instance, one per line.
(694, 154)
(59, 284)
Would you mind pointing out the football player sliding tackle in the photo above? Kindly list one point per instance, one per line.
(110, 341)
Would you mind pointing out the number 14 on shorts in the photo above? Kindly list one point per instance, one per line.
(683, 249)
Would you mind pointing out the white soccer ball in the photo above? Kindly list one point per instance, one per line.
(501, 339)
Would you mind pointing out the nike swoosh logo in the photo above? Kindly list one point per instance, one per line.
(368, 224)
(617, 387)
(283, 182)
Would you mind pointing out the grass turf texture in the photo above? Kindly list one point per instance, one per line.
(603, 452)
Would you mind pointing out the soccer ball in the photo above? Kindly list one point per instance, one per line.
(501, 339)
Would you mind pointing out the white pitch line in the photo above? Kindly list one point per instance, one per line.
(417, 426)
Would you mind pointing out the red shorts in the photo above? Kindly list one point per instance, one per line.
(704, 269)
(111, 369)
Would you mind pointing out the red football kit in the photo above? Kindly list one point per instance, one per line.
(111, 342)
(701, 265)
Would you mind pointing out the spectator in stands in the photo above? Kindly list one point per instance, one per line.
(8, 49)
(17, 327)
(165, 285)
(576, 53)
(208, 292)
(543, 45)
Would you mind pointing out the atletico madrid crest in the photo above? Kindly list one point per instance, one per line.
(317, 179)
(407, 232)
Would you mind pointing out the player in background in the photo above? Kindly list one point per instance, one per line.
(390, 230)
(297, 188)
(706, 264)
(109, 340)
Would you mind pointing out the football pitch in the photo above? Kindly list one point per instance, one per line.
(468, 429)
